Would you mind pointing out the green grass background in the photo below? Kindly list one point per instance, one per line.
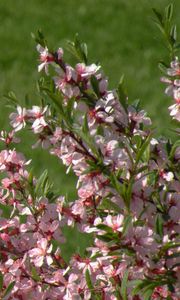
(119, 33)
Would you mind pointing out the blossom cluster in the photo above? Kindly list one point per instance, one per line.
(128, 193)
(173, 88)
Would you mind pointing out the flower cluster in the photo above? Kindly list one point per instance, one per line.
(173, 88)
(128, 192)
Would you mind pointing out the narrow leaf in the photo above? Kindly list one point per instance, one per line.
(124, 286)
(169, 12)
(122, 93)
(173, 34)
(142, 149)
(158, 15)
(1, 281)
(95, 85)
(8, 290)
(159, 225)
(41, 181)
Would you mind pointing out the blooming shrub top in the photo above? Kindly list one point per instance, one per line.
(128, 191)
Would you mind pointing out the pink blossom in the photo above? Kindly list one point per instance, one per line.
(57, 136)
(12, 161)
(46, 58)
(63, 82)
(174, 69)
(175, 111)
(60, 53)
(128, 202)
(37, 114)
(115, 222)
(9, 137)
(18, 120)
(40, 253)
(138, 117)
(84, 71)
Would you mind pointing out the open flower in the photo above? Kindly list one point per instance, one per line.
(84, 71)
(40, 253)
(115, 222)
(37, 115)
(46, 58)
(175, 111)
(18, 119)
(174, 69)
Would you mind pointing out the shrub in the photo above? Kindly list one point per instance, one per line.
(128, 187)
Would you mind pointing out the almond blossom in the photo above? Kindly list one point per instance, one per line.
(127, 198)
(115, 222)
(41, 253)
(18, 120)
(46, 58)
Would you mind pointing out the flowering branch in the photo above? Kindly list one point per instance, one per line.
(127, 184)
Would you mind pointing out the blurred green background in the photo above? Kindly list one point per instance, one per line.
(119, 33)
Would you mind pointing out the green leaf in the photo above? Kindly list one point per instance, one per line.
(139, 286)
(170, 245)
(115, 183)
(163, 67)
(8, 290)
(84, 134)
(94, 296)
(146, 287)
(158, 15)
(122, 93)
(12, 99)
(168, 147)
(171, 288)
(105, 238)
(23, 219)
(47, 189)
(35, 275)
(1, 281)
(147, 152)
(6, 210)
(124, 285)
(85, 50)
(30, 183)
(78, 49)
(161, 28)
(81, 49)
(129, 192)
(57, 101)
(105, 228)
(136, 139)
(134, 283)
(169, 12)
(148, 293)
(69, 112)
(88, 280)
(126, 224)
(39, 38)
(124, 190)
(136, 104)
(41, 181)
(159, 225)
(177, 46)
(43, 185)
(107, 204)
(30, 177)
(173, 150)
(95, 85)
(85, 127)
(142, 149)
(173, 34)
